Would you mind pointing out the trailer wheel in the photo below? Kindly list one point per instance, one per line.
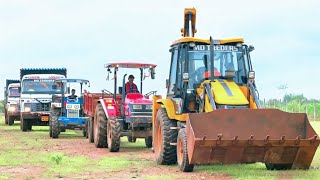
(55, 130)
(114, 130)
(132, 139)
(148, 141)
(271, 166)
(182, 153)
(23, 124)
(5, 118)
(10, 120)
(90, 130)
(166, 154)
(100, 127)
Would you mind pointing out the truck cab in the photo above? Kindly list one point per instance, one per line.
(12, 98)
(36, 95)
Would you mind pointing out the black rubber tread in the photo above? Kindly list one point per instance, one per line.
(23, 124)
(55, 130)
(100, 139)
(114, 132)
(10, 121)
(85, 130)
(5, 118)
(90, 130)
(271, 166)
(29, 125)
(148, 141)
(131, 139)
(183, 163)
(168, 153)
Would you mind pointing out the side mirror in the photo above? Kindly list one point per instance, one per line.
(251, 75)
(250, 48)
(54, 86)
(167, 83)
(120, 90)
(185, 77)
(152, 73)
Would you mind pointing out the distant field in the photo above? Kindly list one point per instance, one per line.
(34, 155)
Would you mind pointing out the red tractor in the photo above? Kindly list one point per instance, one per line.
(122, 113)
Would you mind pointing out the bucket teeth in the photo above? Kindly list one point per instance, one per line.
(250, 141)
(282, 139)
(235, 140)
(266, 140)
(219, 138)
(298, 139)
(203, 140)
(313, 139)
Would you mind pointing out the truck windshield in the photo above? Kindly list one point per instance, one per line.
(14, 92)
(39, 86)
(226, 58)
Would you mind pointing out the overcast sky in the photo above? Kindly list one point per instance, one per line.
(83, 35)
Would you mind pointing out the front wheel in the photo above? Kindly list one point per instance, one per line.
(114, 130)
(10, 120)
(55, 130)
(24, 124)
(271, 166)
(182, 153)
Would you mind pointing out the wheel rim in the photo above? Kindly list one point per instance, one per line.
(179, 151)
(158, 144)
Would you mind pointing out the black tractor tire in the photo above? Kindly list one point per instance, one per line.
(55, 129)
(132, 139)
(148, 141)
(114, 132)
(90, 130)
(166, 154)
(10, 121)
(271, 166)
(182, 153)
(24, 124)
(100, 127)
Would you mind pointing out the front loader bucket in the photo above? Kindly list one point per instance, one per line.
(231, 136)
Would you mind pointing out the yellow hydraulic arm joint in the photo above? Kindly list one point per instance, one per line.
(189, 28)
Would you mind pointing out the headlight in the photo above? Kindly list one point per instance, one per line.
(148, 106)
(137, 107)
(27, 109)
(12, 109)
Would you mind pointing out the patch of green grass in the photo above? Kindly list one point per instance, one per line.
(2, 177)
(139, 144)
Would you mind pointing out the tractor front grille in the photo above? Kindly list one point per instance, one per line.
(73, 113)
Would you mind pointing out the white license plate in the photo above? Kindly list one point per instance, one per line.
(137, 106)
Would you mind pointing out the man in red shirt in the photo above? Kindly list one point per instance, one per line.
(130, 86)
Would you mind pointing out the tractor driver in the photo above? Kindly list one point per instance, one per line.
(73, 96)
(130, 86)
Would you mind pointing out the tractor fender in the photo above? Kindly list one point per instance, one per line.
(169, 105)
(109, 107)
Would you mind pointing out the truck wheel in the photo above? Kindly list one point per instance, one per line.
(131, 139)
(148, 142)
(271, 166)
(55, 130)
(182, 153)
(114, 130)
(166, 154)
(29, 125)
(23, 124)
(10, 120)
(100, 128)
(90, 131)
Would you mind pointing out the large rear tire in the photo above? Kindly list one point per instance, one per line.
(148, 141)
(166, 154)
(114, 130)
(90, 130)
(55, 129)
(100, 127)
(23, 124)
(182, 153)
(271, 166)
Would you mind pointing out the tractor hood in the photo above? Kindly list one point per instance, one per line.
(136, 98)
(227, 92)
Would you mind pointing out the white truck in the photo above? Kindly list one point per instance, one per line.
(11, 101)
(36, 95)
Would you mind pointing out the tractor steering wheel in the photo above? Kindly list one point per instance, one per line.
(104, 91)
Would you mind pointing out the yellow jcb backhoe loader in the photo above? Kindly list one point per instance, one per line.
(212, 113)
